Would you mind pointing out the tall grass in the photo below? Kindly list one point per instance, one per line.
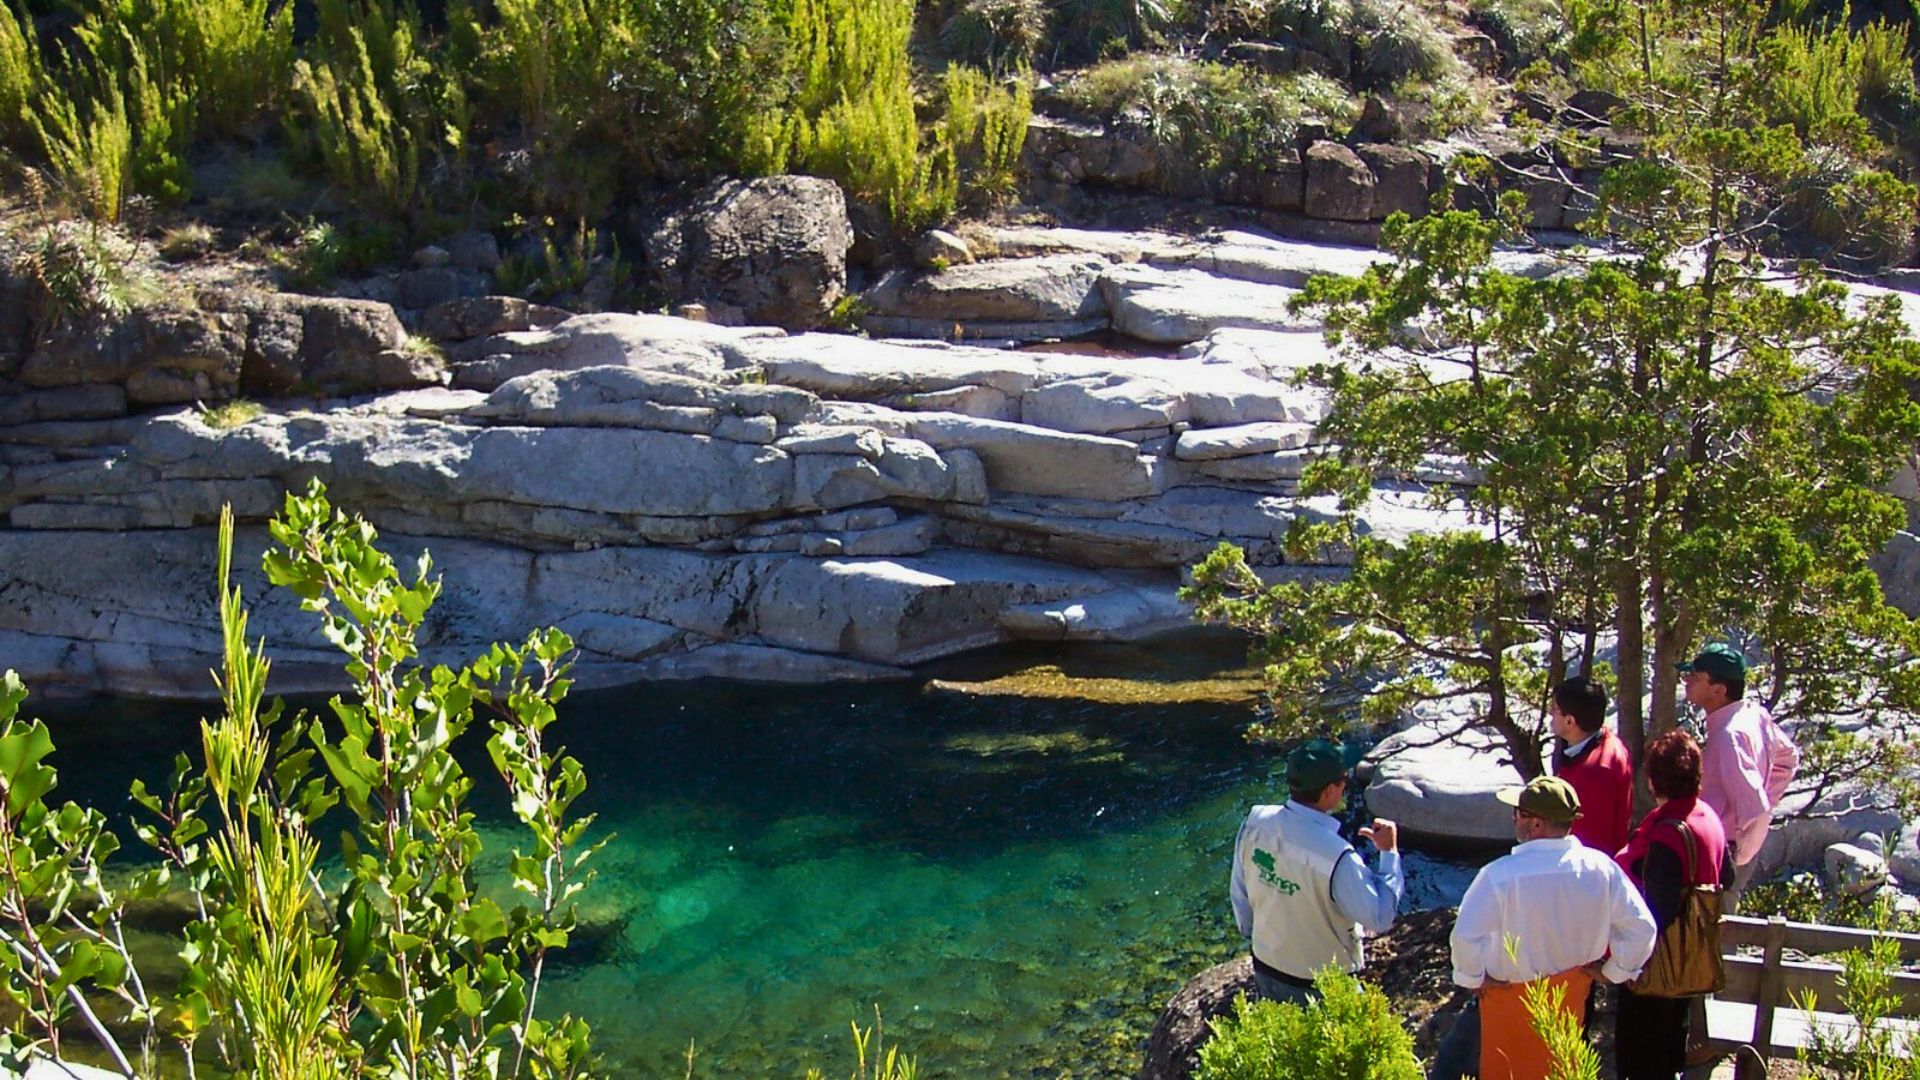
(86, 138)
(1818, 79)
(19, 74)
(370, 106)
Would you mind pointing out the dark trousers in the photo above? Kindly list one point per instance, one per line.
(1650, 1037)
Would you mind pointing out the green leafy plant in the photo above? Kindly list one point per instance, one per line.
(229, 414)
(1874, 1049)
(1202, 118)
(1572, 1056)
(20, 74)
(77, 271)
(1000, 35)
(393, 964)
(1805, 897)
(323, 252)
(563, 268)
(1351, 1033)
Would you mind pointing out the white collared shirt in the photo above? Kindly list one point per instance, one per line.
(1549, 906)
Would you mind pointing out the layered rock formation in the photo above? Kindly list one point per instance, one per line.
(685, 498)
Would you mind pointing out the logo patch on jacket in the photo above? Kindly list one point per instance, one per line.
(1271, 876)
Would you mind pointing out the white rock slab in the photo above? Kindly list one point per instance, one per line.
(1181, 306)
(1241, 440)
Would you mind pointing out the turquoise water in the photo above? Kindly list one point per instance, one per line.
(1018, 883)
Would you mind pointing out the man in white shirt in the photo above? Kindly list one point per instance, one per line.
(1550, 906)
(1302, 896)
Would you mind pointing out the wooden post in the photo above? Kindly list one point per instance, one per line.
(1770, 980)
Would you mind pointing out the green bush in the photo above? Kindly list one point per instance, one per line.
(1351, 1033)
(19, 74)
(979, 135)
(392, 964)
(1386, 40)
(77, 271)
(1818, 80)
(231, 57)
(1000, 35)
(601, 91)
(1525, 31)
(322, 252)
(1202, 117)
(87, 141)
(372, 108)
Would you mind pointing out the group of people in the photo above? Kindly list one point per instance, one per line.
(1583, 897)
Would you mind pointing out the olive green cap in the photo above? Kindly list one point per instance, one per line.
(1546, 797)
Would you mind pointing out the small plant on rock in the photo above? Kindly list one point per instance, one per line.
(230, 414)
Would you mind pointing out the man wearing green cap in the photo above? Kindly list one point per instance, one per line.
(1553, 908)
(1302, 896)
(1746, 761)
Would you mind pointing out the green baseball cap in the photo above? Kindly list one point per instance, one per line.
(1719, 661)
(1314, 764)
(1546, 797)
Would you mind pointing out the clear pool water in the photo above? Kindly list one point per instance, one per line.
(1017, 871)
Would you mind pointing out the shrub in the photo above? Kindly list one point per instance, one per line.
(1804, 897)
(979, 135)
(323, 252)
(851, 117)
(232, 58)
(227, 415)
(184, 243)
(19, 74)
(604, 90)
(1351, 1033)
(1525, 31)
(1877, 1050)
(77, 271)
(1000, 35)
(1202, 117)
(395, 964)
(372, 108)
(554, 270)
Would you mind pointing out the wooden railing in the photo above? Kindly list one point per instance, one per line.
(1758, 1007)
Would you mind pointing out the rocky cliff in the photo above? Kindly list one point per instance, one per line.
(687, 498)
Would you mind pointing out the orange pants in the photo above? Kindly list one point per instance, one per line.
(1509, 1047)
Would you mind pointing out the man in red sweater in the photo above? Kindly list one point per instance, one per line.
(1594, 761)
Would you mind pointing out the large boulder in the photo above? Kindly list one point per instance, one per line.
(1173, 1049)
(1853, 870)
(1442, 790)
(1339, 184)
(324, 345)
(1047, 289)
(775, 247)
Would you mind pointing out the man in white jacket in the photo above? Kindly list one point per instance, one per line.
(1302, 897)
